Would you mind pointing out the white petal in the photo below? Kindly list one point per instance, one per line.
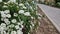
(22, 26)
(3, 15)
(14, 21)
(4, 32)
(6, 11)
(2, 12)
(21, 4)
(13, 32)
(3, 25)
(32, 17)
(5, 6)
(21, 11)
(6, 20)
(19, 32)
(19, 23)
(27, 13)
(15, 14)
(24, 7)
(0, 0)
(17, 26)
(8, 15)
(13, 1)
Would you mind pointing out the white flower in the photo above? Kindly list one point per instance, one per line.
(33, 2)
(6, 11)
(27, 13)
(39, 18)
(38, 14)
(16, 4)
(19, 32)
(21, 11)
(22, 26)
(8, 1)
(13, 1)
(2, 12)
(21, 4)
(15, 14)
(8, 32)
(14, 21)
(8, 15)
(32, 17)
(1, 28)
(19, 23)
(31, 27)
(27, 3)
(3, 15)
(8, 23)
(6, 20)
(58, 3)
(5, 6)
(13, 32)
(17, 26)
(24, 7)
(32, 23)
(3, 25)
(0, 0)
(5, 3)
(12, 25)
(20, 29)
(4, 32)
(31, 7)
(7, 27)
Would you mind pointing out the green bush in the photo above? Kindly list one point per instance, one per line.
(18, 16)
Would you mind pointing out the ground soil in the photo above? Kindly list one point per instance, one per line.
(46, 26)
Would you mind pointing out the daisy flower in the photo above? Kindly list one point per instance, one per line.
(15, 14)
(13, 20)
(21, 11)
(8, 15)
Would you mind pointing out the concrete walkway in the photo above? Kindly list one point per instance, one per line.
(53, 14)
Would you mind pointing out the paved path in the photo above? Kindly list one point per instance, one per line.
(53, 14)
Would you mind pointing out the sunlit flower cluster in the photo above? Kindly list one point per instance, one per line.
(17, 17)
(7, 24)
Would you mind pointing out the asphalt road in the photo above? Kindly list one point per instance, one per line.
(53, 14)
